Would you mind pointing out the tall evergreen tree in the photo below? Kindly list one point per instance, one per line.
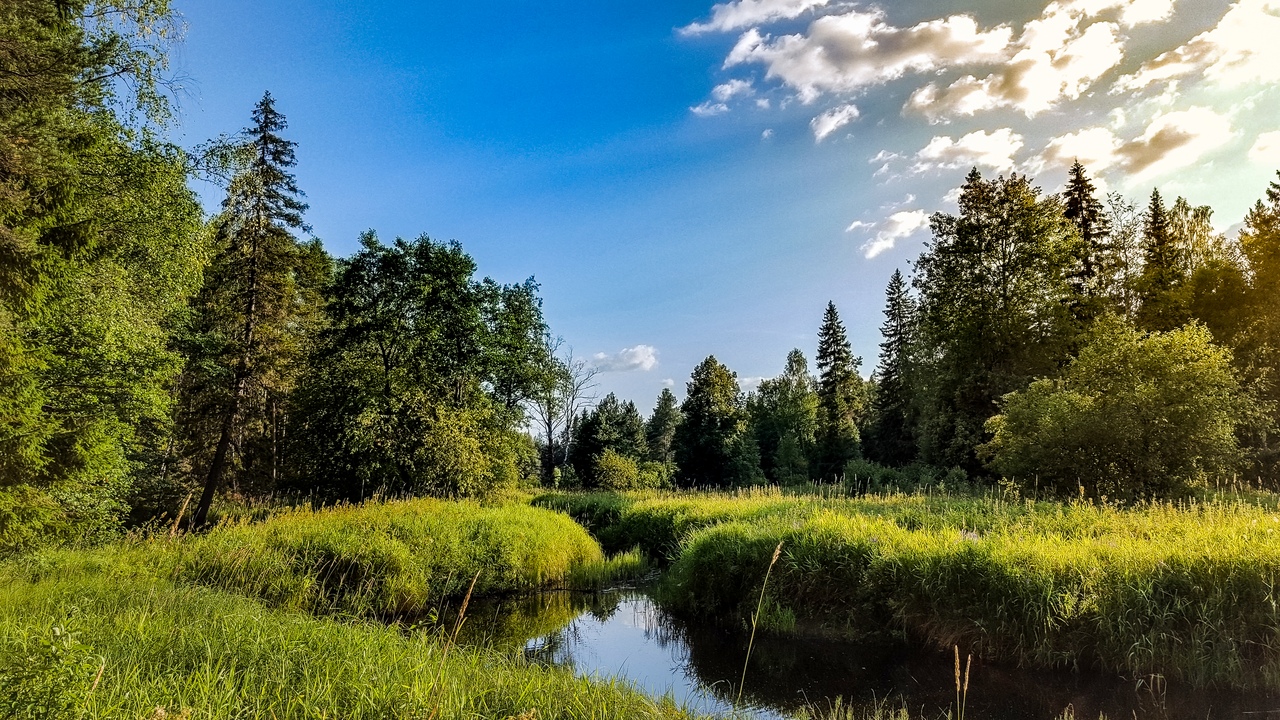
(841, 398)
(1161, 306)
(1085, 211)
(891, 439)
(610, 425)
(250, 301)
(712, 444)
(660, 430)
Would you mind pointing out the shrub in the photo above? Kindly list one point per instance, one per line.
(1133, 415)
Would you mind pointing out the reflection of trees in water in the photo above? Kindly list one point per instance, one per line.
(786, 673)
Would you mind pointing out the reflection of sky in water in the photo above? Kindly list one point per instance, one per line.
(632, 643)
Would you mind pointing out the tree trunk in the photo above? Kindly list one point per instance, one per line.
(216, 467)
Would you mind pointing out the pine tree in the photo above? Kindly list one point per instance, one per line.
(661, 427)
(891, 439)
(250, 299)
(1086, 212)
(1160, 306)
(840, 398)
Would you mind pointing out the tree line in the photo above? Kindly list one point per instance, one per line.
(1065, 343)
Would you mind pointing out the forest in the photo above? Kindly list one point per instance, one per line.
(209, 422)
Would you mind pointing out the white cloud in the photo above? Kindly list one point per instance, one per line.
(1172, 141)
(1094, 147)
(727, 91)
(832, 120)
(1242, 48)
(745, 13)
(892, 229)
(1266, 149)
(668, 382)
(750, 384)
(858, 49)
(708, 109)
(639, 358)
(766, 134)
(994, 150)
(1057, 57)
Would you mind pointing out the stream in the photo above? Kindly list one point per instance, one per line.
(625, 635)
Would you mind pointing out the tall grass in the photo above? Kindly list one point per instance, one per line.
(1187, 591)
(387, 559)
(130, 645)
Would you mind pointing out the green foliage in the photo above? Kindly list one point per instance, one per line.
(611, 425)
(660, 430)
(891, 436)
(414, 384)
(841, 399)
(1183, 590)
(99, 247)
(47, 676)
(994, 313)
(1132, 416)
(710, 447)
(784, 415)
(196, 652)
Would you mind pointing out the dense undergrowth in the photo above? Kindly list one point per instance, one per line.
(1187, 591)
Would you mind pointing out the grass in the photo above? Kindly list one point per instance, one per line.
(1186, 591)
(397, 559)
(95, 637)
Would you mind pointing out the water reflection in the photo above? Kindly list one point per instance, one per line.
(626, 635)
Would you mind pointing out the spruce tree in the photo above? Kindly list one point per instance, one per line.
(249, 304)
(840, 398)
(891, 439)
(1160, 306)
(661, 427)
(1086, 212)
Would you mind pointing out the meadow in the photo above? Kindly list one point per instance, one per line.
(1186, 591)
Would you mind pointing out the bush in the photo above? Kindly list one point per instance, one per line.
(1132, 416)
(615, 471)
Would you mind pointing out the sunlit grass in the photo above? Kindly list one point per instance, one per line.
(1185, 590)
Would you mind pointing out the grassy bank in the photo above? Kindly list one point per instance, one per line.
(1186, 591)
(92, 636)
(393, 559)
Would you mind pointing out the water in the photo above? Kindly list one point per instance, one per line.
(626, 635)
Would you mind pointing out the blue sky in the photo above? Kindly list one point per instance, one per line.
(687, 179)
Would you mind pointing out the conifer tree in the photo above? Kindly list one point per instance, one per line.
(660, 430)
(1086, 212)
(784, 413)
(249, 303)
(710, 449)
(1160, 307)
(891, 440)
(840, 398)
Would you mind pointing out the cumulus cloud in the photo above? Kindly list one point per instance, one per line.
(745, 13)
(1266, 149)
(1242, 48)
(858, 49)
(1094, 147)
(750, 384)
(832, 120)
(639, 358)
(1172, 141)
(885, 234)
(668, 382)
(708, 109)
(727, 91)
(994, 150)
(1057, 57)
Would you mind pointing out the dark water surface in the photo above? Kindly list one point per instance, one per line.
(626, 635)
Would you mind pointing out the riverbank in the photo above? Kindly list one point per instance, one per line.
(1182, 591)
